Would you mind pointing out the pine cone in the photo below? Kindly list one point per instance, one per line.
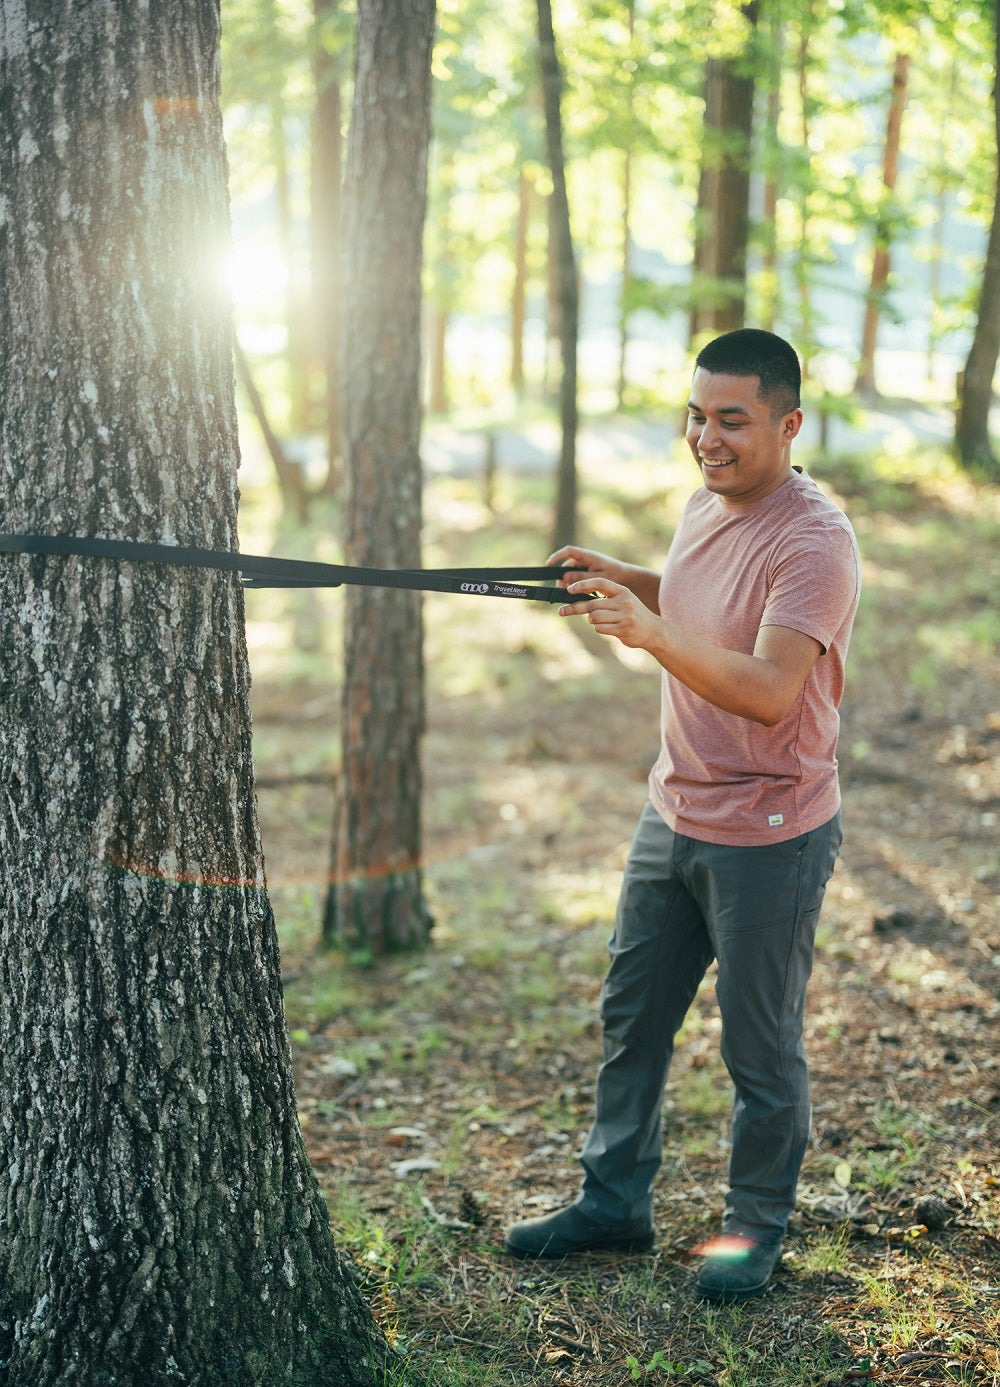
(470, 1209)
(931, 1211)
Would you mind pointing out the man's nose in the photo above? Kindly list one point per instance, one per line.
(708, 436)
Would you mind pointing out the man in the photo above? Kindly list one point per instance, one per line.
(750, 622)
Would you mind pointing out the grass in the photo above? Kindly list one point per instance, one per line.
(487, 1043)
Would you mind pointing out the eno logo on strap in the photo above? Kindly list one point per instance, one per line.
(474, 587)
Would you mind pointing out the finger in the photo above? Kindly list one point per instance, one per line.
(594, 584)
(566, 552)
(564, 576)
(578, 609)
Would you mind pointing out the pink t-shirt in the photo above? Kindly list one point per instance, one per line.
(790, 559)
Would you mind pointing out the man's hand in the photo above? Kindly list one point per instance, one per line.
(644, 583)
(588, 561)
(617, 612)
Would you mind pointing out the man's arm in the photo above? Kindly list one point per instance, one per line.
(761, 686)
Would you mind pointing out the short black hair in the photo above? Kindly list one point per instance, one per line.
(750, 351)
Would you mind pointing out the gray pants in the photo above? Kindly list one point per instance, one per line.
(683, 903)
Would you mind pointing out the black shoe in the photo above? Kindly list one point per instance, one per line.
(570, 1230)
(737, 1268)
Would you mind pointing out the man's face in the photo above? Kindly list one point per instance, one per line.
(742, 452)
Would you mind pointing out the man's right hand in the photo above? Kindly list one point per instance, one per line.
(643, 582)
(576, 560)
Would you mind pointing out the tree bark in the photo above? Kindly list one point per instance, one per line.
(159, 1221)
(972, 434)
(882, 258)
(722, 222)
(375, 902)
(564, 527)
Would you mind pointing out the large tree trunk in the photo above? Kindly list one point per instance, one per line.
(972, 435)
(159, 1221)
(882, 257)
(722, 222)
(376, 900)
(564, 527)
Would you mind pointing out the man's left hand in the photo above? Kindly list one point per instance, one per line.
(617, 612)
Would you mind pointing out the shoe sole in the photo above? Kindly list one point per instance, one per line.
(744, 1293)
(625, 1245)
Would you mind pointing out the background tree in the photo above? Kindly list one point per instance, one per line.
(160, 1221)
(636, 105)
(722, 226)
(886, 221)
(375, 901)
(267, 66)
(331, 40)
(772, 41)
(564, 525)
(974, 444)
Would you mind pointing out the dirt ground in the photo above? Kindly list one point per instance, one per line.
(447, 1092)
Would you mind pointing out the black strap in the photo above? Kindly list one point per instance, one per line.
(258, 571)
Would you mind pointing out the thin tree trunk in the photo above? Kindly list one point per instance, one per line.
(160, 1220)
(520, 295)
(626, 225)
(443, 278)
(294, 348)
(623, 315)
(288, 474)
(941, 200)
(437, 400)
(882, 258)
(550, 372)
(564, 529)
(770, 310)
(972, 437)
(807, 317)
(376, 901)
(326, 213)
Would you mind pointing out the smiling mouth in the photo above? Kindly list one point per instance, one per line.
(715, 463)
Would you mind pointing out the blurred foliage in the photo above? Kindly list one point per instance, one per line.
(633, 75)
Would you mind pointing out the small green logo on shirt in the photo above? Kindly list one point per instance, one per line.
(775, 820)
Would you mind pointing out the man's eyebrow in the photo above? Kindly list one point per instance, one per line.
(726, 409)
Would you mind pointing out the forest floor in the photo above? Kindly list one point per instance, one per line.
(444, 1095)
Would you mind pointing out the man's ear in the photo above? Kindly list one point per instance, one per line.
(791, 424)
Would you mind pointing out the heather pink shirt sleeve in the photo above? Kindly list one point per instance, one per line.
(814, 583)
